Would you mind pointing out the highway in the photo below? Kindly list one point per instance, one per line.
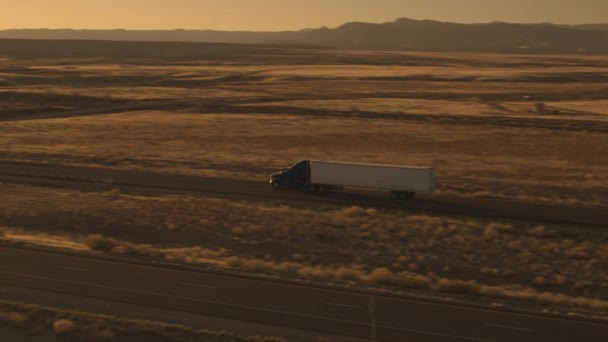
(340, 313)
(76, 176)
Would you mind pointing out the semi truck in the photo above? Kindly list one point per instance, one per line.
(402, 182)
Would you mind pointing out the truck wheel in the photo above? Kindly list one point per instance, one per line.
(407, 195)
(402, 195)
(276, 186)
(313, 188)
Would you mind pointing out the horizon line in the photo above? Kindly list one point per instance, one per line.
(303, 29)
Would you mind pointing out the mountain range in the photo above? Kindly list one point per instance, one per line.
(402, 34)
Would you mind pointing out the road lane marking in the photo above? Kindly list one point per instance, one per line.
(198, 285)
(73, 269)
(508, 327)
(239, 306)
(344, 305)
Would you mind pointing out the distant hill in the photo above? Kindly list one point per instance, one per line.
(427, 35)
(593, 27)
(193, 36)
(402, 34)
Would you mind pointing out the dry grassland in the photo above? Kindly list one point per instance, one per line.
(539, 165)
(546, 266)
(473, 117)
(531, 128)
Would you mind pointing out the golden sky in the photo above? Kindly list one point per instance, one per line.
(274, 15)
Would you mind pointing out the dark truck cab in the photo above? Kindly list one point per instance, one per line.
(297, 176)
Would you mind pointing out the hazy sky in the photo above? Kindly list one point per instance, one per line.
(284, 14)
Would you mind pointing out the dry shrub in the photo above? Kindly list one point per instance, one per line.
(255, 265)
(349, 274)
(316, 272)
(538, 231)
(258, 265)
(578, 252)
(100, 332)
(13, 318)
(371, 211)
(238, 231)
(234, 262)
(457, 286)
(412, 280)
(101, 243)
(128, 248)
(288, 267)
(172, 226)
(64, 326)
(603, 250)
(494, 229)
(560, 279)
(404, 259)
(539, 281)
(197, 255)
(381, 275)
(439, 231)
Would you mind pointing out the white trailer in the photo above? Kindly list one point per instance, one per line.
(401, 181)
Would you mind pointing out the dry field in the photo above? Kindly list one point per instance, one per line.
(531, 128)
(546, 267)
(539, 165)
(473, 117)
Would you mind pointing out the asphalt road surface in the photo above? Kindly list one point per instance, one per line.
(340, 313)
(247, 189)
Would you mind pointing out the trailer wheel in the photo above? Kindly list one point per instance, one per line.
(313, 188)
(407, 195)
(402, 195)
(326, 188)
